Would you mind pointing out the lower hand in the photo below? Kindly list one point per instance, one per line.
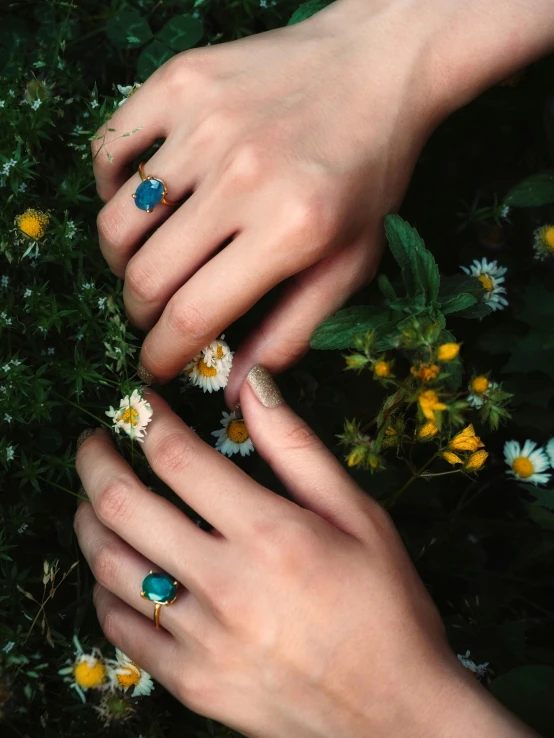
(302, 617)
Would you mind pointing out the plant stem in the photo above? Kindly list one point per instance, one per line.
(394, 498)
(64, 489)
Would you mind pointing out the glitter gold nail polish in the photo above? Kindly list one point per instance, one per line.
(264, 386)
(144, 375)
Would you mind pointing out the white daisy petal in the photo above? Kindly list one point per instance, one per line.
(550, 451)
(527, 464)
(491, 277)
(125, 674)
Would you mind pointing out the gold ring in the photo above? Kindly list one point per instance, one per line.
(160, 589)
(150, 192)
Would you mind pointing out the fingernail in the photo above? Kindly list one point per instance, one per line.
(264, 386)
(238, 411)
(144, 374)
(83, 436)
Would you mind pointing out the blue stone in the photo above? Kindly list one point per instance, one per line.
(159, 587)
(149, 193)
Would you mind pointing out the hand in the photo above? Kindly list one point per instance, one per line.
(292, 146)
(302, 617)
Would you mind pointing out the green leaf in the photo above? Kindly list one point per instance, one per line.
(458, 303)
(307, 9)
(543, 497)
(182, 32)
(339, 331)
(419, 269)
(152, 57)
(386, 288)
(128, 29)
(527, 691)
(532, 192)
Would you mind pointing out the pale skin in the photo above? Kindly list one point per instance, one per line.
(301, 618)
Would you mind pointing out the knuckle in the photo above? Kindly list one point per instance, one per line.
(300, 437)
(248, 165)
(141, 282)
(81, 511)
(109, 225)
(173, 454)
(104, 563)
(113, 502)
(186, 319)
(195, 690)
(179, 72)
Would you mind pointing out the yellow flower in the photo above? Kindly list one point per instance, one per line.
(390, 431)
(425, 371)
(428, 430)
(452, 458)
(382, 368)
(429, 404)
(479, 385)
(544, 242)
(356, 456)
(356, 361)
(90, 673)
(466, 440)
(33, 223)
(476, 460)
(448, 351)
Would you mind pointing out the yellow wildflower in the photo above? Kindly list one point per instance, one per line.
(356, 456)
(33, 223)
(479, 385)
(544, 242)
(382, 368)
(429, 404)
(425, 372)
(448, 351)
(466, 440)
(428, 430)
(391, 431)
(452, 458)
(476, 460)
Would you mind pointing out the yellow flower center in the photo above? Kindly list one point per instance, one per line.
(205, 370)
(523, 467)
(549, 237)
(219, 353)
(486, 281)
(236, 430)
(382, 369)
(129, 416)
(480, 385)
(33, 223)
(90, 674)
(130, 677)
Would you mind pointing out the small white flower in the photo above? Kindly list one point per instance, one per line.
(504, 211)
(10, 453)
(8, 418)
(127, 91)
(480, 670)
(132, 416)
(22, 187)
(11, 93)
(8, 647)
(101, 303)
(2, 103)
(550, 451)
(527, 464)
(51, 351)
(210, 368)
(27, 293)
(126, 674)
(491, 277)
(94, 103)
(233, 438)
(37, 103)
(70, 229)
(22, 528)
(5, 281)
(86, 671)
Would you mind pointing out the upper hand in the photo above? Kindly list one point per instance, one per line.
(291, 147)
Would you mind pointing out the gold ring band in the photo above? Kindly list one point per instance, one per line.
(161, 589)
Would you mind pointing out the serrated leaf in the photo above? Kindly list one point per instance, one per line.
(152, 57)
(419, 269)
(339, 331)
(458, 303)
(182, 32)
(128, 29)
(532, 192)
(307, 9)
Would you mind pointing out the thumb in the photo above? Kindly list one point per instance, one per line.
(313, 476)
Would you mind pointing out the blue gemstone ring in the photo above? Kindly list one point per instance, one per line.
(161, 589)
(150, 192)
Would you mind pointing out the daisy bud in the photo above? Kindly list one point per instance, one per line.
(448, 351)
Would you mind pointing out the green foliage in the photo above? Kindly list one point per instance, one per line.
(128, 29)
(527, 691)
(533, 191)
(307, 9)
(182, 32)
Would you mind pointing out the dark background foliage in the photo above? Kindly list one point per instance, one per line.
(484, 548)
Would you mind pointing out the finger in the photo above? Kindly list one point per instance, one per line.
(219, 293)
(120, 569)
(312, 475)
(133, 128)
(153, 650)
(210, 483)
(310, 297)
(122, 226)
(175, 252)
(146, 521)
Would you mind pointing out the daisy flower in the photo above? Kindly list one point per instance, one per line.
(491, 277)
(528, 463)
(550, 451)
(479, 390)
(125, 674)
(86, 671)
(233, 438)
(210, 368)
(127, 91)
(132, 416)
(544, 242)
